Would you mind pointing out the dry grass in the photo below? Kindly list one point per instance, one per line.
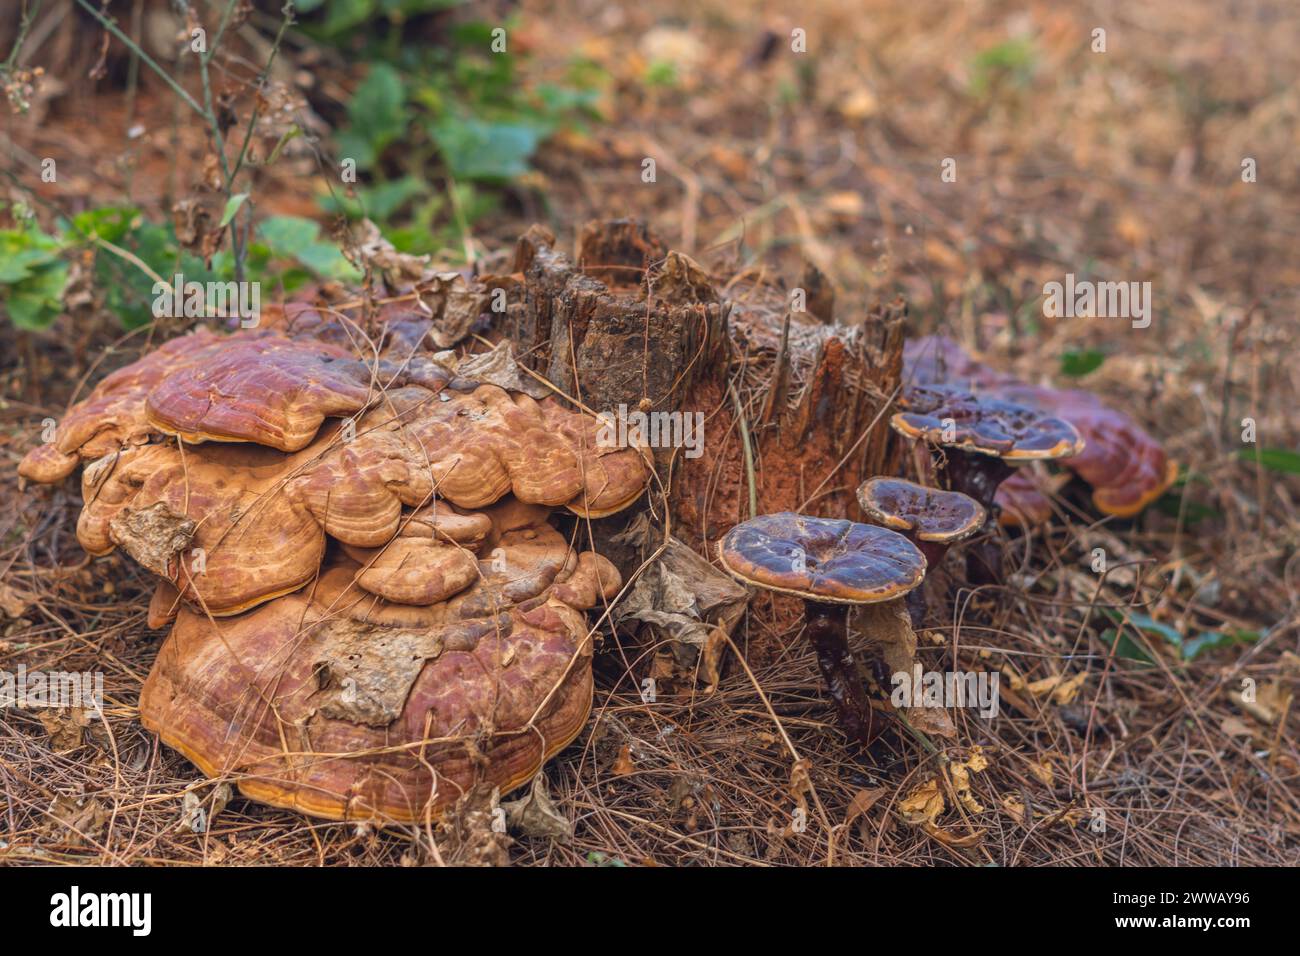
(1125, 165)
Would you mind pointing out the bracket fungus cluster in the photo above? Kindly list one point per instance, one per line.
(372, 607)
(982, 440)
(372, 611)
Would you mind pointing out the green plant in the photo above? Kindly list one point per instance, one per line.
(129, 255)
(467, 127)
(1011, 60)
(32, 275)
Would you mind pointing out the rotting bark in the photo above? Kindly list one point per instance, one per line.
(629, 327)
(633, 329)
(811, 451)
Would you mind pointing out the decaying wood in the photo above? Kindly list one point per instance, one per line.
(632, 330)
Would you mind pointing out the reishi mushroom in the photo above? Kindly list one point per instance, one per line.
(345, 706)
(1126, 468)
(932, 519)
(983, 439)
(831, 564)
(386, 590)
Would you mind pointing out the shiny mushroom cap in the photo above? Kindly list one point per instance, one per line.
(1126, 468)
(929, 514)
(985, 426)
(263, 388)
(112, 416)
(214, 521)
(388, 723)
(822, 559)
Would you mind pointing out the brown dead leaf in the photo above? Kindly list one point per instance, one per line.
(13, 603)
(923, 805)
(1234, 726)
(1270, 703)
(1013, 808)
(931, 720)
(948, 838)
(961, 774)
(1061, 690)
(535, 814)
(863, 801)
(624, 765)
(66, 726)
(1042, 770)
(83, 817)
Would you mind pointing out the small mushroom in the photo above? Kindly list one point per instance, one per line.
(983, 439)
(931, 519)
(831, 564)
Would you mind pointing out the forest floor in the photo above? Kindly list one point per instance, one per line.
(1124, 165)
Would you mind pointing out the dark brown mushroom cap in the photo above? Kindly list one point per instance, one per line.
(929, 513)
(985, 426)
(822, 559)
(1126, 467)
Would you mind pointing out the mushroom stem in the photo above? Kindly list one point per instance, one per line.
(979, 476)
(827, 628)
(976, 475)
(934, 552)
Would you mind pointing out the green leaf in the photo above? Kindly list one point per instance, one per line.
(1171, 504)
(23, 252)
(1076, 364)
(1014, 58)
(1152, 626)
(377, 115)
(37, 301)
(345, 14)
(110, 223)
(1131, 649)
(232, 207)
(1274, 459)
(1212, 640)
(287, 236)
(325, 259)
(477, 149)
(1127, 648)
(379, 202)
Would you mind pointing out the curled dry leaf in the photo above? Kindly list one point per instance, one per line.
(685, 600)
(863, 801)
(1013, 808)
(923, 804)
(1042, 770)
(961, 774)
(535, 815)
(66, 727)
(1061, 689)
(82, 817)
(1270, 702)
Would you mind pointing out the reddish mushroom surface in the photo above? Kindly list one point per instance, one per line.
(1126, 467)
